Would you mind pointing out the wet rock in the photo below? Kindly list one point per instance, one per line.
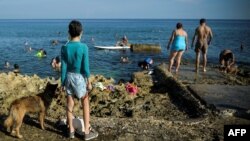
(142, 79)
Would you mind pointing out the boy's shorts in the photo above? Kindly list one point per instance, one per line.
(75, 85)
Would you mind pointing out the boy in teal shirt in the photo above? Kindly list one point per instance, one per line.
(74, 77)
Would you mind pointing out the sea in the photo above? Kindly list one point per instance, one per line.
(14, 34)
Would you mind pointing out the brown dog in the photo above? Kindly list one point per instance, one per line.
(32, 104)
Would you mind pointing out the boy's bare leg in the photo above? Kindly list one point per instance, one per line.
(86, 113)
(70, 105)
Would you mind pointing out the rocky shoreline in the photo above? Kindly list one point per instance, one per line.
(163, 109)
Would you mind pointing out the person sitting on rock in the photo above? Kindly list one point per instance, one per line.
(123, 41)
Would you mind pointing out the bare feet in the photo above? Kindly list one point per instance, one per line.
(176, 71)
(19, 136)
(169, 70)
(13, 133)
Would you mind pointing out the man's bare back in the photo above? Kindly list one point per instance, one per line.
(202, 33)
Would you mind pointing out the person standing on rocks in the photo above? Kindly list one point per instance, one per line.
(74, 76)
(179, 43)
(204, 35)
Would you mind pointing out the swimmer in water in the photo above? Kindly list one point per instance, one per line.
(16, 69)
(56, 63)
(7, 64)
(41, 53)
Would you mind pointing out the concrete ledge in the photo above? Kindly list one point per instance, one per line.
(224, 96)
(179, 93)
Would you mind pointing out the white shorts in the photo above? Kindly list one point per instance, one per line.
(75, 85)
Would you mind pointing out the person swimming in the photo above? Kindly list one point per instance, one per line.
(41, 53)
(26, 43)
(241, 46)
(27, 47)
(54, 42)
(16, 69)
(124, 60)
(56, 63)
(7, 64)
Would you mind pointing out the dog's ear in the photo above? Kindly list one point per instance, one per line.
(54, 86)
(48, 85)
(51, 86)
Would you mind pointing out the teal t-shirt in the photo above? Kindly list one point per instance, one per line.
(75, 59)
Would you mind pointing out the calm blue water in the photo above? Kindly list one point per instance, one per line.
(228, 34)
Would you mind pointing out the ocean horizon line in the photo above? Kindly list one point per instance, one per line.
(124, 19)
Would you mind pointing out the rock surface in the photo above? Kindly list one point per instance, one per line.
(163, 109)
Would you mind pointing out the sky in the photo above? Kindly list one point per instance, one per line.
(124, 9)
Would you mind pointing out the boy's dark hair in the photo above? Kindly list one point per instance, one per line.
(16, 66)
(202, 21)
(179, 25)
(58, 59)
(44, 52)
(75, 28)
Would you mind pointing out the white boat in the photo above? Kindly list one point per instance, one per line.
(112, 47)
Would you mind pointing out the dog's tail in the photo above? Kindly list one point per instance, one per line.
(11, 118)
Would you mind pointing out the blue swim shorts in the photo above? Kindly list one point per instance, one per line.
(75, 85)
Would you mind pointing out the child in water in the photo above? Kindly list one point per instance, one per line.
(41, 53)
(7, 64)
(146, 63)
(56, 63)
(124, 60)
(16, 69)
